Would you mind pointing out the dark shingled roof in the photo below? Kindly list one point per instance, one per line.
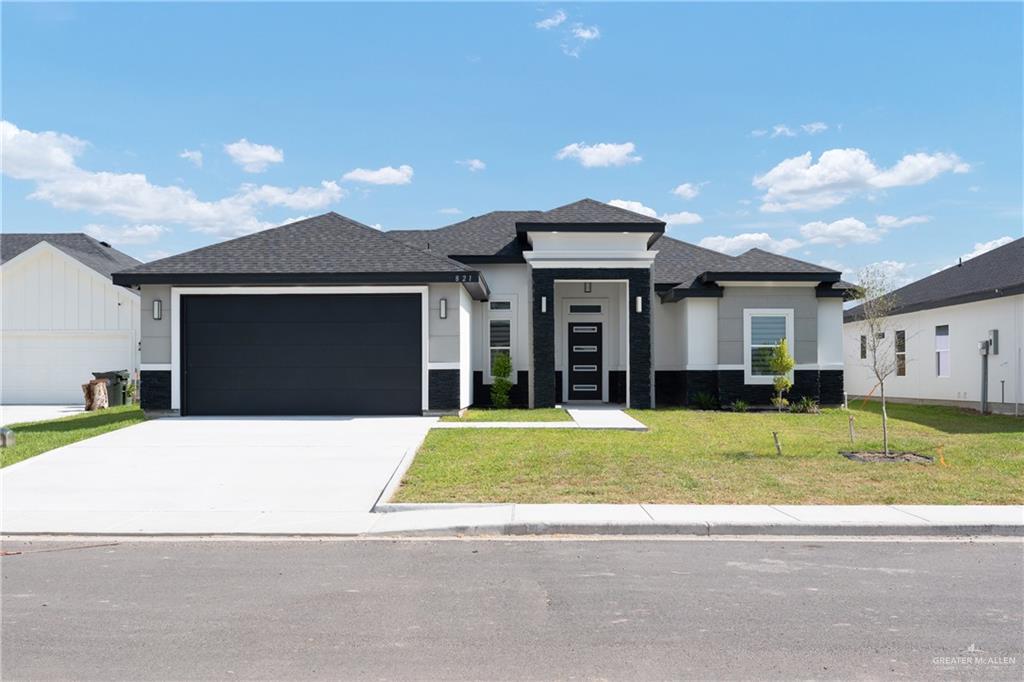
(92, 253)
(328, 243)
(592, 212)
(491, 234)
(1000, 272)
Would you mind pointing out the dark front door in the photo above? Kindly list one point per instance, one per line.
(317, 354)
(585, 370)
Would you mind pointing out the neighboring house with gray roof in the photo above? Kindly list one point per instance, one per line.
(62, 317)
(936, 330)
(591, 302)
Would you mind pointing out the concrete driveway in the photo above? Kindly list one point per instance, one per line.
(213, 475)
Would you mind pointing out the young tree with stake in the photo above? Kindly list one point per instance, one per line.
(874, 288)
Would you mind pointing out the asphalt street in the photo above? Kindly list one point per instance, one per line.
(512, 609)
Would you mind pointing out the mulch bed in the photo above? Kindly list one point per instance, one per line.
(869, 457)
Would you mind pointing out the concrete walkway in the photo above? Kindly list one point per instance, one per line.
(583, 417)
(695, 519)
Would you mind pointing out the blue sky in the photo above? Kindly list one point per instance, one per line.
(841, 134)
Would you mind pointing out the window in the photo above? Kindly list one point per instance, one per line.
(942, 350)
(501, 305)
(901, 353)
(763, 330)
(594, 308)
(501, 339)
(863, 347)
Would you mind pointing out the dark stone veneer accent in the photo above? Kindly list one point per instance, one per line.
(558, 386)
(519, 396)
(543, 285)
(617, 386)
(155, 389)
(830, 385)
(700, 381)
(826, 387)
(443, 392)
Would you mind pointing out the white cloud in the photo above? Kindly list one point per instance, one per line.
(744, 242)
(126, 234)
(582, 32)
(814, 128)
(687, 190)
(798, 183)
(760, 132)
(553, 21)
(974, 188)
(634, 206)
(896, 272)
(35, 156)
(473, 165)
(600, 155)
(388, 175)
(985, 247)
(47, 159)
(840, 232)
(891, 221)
(783, 130)
(449, 211)
(252, 157)
(681, 218)
(194, 156)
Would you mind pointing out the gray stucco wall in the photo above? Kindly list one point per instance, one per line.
(156, 334)
(730, 319)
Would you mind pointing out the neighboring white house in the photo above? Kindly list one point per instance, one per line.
(938, 326)
(62, 317)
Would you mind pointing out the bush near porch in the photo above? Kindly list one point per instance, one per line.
(699, 457)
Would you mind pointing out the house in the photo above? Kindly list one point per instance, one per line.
(591, 302)
(937, 326)
(62, 316)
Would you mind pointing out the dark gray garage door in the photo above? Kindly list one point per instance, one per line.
(320, 354)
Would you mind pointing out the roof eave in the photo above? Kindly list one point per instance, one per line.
(725, 276)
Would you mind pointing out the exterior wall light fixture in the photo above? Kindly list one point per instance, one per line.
(158, 309)
(543, 304)
(587, 288)
(444, 308)
(639, 304)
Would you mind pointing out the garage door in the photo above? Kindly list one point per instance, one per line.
(320, 354)
(49, 368)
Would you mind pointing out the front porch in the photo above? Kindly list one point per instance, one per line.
(591, 336)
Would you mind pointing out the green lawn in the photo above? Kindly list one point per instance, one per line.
(549, 414)
(690, 456)
(33, 438)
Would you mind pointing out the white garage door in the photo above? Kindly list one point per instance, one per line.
(50, 368)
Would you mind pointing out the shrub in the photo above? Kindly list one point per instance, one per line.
(705, 401)
(501, 369)
(781, 364)
(739, 406)
(806, 404)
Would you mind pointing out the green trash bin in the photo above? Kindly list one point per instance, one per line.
(117, 385)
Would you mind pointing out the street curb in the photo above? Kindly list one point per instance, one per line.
(705, 530)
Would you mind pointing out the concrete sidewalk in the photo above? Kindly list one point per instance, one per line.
(606, 417)
(693, 519)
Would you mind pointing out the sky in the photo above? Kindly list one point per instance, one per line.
(846, 135)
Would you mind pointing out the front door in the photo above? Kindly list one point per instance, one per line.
(585, 352)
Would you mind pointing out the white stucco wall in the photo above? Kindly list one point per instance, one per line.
(444, 334)
(968, 324)
(669, 338)
(506, 282)
(465, 313)
(700, 326)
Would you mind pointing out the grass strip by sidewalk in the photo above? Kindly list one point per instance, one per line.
(33, 438)
(549, 414)
(690, 456)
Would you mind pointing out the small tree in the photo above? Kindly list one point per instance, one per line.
(781, 363)
(501, 369)
(874, 287)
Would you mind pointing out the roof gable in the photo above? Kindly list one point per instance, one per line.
(92, 253)
(592, 212)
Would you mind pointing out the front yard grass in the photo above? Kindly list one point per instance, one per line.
(697, 457)
(33, 438)
(548, 414)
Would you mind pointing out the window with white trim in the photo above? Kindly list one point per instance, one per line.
(763, 329)
(942, 350)
(901, 353)
(500, 332)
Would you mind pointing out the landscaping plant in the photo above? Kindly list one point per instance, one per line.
(705, 401)
(501, 369)
(875, 286)
(739, 406)
(781, 363)
(806, 405)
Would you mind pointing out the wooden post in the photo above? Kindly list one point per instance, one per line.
(851, 429)
(778, 446)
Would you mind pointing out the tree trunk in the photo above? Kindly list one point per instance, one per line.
(885, 420)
